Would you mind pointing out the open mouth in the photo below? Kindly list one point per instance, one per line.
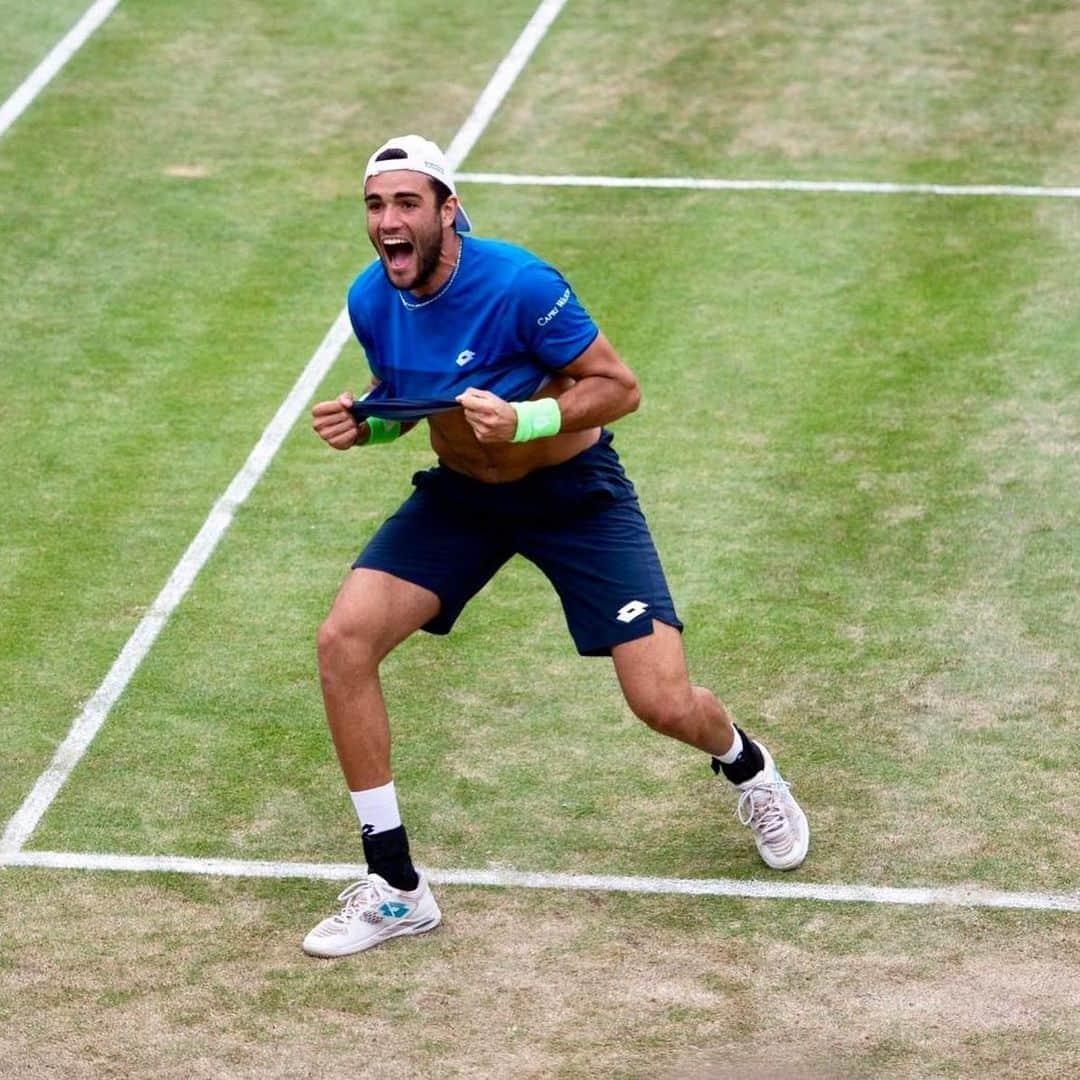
(398, 252)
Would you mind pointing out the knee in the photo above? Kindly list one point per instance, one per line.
(666, 715)
(343, 645)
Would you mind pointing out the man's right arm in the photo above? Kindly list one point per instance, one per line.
(332, 420)
(335, 424)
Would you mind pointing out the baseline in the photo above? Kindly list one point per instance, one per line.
(956, 896)
(847, 187)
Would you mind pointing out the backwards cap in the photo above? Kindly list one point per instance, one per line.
(420, 155)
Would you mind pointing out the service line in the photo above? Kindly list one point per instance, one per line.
(953, 896)
(849, 187)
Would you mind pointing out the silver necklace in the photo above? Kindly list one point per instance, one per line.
(435, 296)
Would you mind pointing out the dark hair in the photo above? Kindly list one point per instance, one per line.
(442, 192)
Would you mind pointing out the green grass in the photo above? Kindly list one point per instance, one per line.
(985, 91)
(830, 518)
(155, 321)
(857, 451)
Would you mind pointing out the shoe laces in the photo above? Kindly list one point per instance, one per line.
(358, 898)
(761, 807)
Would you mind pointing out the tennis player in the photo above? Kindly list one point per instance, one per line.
(491, 347)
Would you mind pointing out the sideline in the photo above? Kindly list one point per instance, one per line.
(954, 896)
(847, 187)
(89, 721)
(61, 53)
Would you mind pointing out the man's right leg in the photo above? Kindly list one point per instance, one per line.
(372, 614)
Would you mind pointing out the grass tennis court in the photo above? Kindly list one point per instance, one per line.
(858, 454)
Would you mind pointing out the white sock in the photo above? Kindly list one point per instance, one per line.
(734, 750)
(376, 808)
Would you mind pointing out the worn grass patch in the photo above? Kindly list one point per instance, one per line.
(845, 89)
(178, 977)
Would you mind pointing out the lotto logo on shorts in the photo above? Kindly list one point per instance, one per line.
(629, 612)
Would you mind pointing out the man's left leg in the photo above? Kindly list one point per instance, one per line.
(654, 679)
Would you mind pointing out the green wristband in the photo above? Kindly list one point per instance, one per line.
(382, 431)
(536, 419)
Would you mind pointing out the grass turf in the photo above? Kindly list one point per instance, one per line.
(857, 453)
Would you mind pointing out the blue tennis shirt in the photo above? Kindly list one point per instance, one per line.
(505, 321)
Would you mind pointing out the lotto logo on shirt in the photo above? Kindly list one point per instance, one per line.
(559, 305)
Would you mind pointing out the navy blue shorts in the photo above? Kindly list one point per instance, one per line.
(579, 522)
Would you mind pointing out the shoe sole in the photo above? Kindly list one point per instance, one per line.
(378, 939)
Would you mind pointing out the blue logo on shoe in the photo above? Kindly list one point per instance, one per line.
(393, 911)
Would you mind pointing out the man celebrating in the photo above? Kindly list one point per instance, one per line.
(490, 345)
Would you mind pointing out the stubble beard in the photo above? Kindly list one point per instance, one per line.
(427, 248)
(428, 254)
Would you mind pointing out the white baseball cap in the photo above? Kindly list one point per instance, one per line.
(414, 153)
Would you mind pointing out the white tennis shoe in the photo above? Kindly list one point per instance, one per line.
(768, 808)
(374, 912)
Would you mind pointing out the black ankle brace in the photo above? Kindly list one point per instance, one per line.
(387, 854)
(748, 764)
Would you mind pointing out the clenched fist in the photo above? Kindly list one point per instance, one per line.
(334, 423)
(491, 418)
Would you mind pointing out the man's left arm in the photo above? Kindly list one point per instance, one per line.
(604, 389)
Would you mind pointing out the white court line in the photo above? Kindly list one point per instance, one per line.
(505, 76)
(851, 187)
(89, 721)
(959, 896)
(93, 716)
(61, 53)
